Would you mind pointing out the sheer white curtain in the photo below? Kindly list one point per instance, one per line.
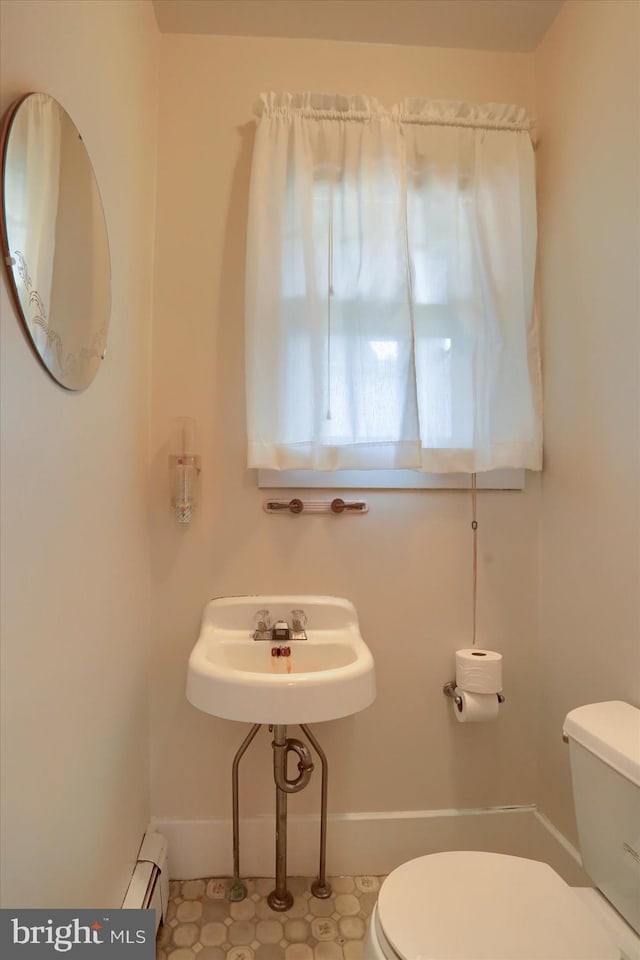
(389, 314)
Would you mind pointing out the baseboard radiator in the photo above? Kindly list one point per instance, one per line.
(149, 885)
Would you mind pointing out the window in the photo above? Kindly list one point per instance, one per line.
(389, 288)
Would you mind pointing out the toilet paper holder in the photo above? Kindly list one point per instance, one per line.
(449, 690)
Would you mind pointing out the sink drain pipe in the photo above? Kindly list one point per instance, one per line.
(281, 898)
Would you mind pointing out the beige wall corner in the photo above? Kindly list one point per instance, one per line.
(587, 92)
(75, 585)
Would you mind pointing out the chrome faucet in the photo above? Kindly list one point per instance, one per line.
(280, 632)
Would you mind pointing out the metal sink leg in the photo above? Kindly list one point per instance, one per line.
(320, 888)
(238, 890)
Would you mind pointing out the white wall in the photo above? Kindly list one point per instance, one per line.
(587, 72)
(406, 565)
(75, 582)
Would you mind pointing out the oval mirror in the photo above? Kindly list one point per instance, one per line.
(54, 239)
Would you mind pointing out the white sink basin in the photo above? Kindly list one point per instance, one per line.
(328, 675)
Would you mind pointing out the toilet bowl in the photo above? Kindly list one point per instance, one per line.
(470, 905)
(467, 905)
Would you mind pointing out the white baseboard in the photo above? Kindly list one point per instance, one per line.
(357, 843)
(559, 837)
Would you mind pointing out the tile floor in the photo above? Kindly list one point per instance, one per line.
(203, 925)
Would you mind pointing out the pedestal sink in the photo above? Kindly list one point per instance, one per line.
(328, 675)
(281, 660)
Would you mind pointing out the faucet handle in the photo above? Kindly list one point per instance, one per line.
(298, 620)
(298, 623)
(262, 621)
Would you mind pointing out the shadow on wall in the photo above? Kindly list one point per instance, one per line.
(230, 420)
(224, 473)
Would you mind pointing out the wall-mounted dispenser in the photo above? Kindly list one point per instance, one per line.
(184, 469)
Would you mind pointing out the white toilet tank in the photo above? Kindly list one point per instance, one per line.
(604, 745)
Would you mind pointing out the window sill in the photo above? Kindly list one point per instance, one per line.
(388, 480)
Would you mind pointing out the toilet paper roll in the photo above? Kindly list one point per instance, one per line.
(475, 707)
(478, 670)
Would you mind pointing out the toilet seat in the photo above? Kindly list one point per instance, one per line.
(467, 905)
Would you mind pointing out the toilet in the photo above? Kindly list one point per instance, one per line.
(470, 905)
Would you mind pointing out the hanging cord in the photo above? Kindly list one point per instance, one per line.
(474, 528)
